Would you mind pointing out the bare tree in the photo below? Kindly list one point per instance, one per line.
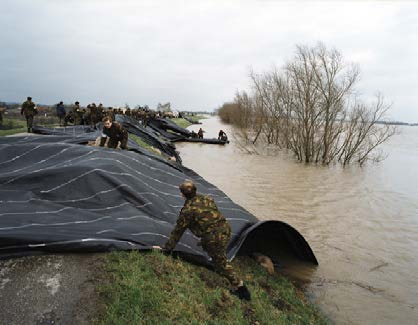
(363, 133)
(310, 107)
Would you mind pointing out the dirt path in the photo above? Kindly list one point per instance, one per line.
(49, 289)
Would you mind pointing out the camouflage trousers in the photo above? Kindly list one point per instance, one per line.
(94, 119)
(215, 247)
(77, 119)
(29, 121)
(113, 142)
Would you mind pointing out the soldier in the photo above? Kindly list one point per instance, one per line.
(61, 113)
(85, 117)
(146, 119)
(77, 114)
(1, 116)
(222, 136)
(113, 113)
(69, 118)
(200, 133)
(94, 112)
(201, 215)
(29, 111)
(115, 132)
(100, 113)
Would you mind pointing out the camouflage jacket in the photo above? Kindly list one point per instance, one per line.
(77, 110)
(116, 131)
(28, 108)
(201, 215)
(93, 110)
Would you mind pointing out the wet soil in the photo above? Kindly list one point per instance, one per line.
(50, 289)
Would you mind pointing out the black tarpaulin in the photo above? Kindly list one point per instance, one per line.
(161, 133)
(160, 124)
(152, 136)
(58, 194)
(204, 140)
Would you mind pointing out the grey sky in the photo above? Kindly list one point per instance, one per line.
(196, 54)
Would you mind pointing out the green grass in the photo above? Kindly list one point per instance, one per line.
(143, 144)
(181, 122)
(12, 126)
(184, 124)
(151, 288)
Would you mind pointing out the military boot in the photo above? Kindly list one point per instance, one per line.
(242, 293)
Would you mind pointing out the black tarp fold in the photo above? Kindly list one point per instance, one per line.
(58, 194)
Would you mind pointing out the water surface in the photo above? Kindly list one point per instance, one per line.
(362, 223)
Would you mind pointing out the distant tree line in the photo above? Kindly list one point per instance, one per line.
(310, 107)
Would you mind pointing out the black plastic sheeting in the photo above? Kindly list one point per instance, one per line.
(167, 124)
(205, 140)
(152, 136)
(59, 195)
(161, 133)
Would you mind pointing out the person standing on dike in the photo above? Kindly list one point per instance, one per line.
(29, 111)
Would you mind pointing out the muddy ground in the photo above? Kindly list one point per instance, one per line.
(50, 289)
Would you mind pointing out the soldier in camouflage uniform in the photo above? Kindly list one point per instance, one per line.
(146, 118)
(128, 112)
(77, 114)
(1, 116)
(100, 113)
(29, 111)
(115, 132)
(201, 215)
(94, 113)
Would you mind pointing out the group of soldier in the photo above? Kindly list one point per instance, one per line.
(93, 114)
(199, 135)
(90, 115)
(80, 116)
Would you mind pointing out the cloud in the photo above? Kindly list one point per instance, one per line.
(195, 54)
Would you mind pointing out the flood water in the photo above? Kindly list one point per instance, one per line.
(361, 223)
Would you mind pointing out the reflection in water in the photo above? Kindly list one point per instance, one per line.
(362, 223)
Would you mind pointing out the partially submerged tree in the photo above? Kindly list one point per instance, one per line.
(310, 107)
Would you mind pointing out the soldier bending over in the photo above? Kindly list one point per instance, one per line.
(201, 215)
(115, 132)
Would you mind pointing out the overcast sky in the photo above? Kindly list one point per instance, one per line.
(196, 54)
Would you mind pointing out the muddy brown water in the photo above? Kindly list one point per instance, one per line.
(362, 223)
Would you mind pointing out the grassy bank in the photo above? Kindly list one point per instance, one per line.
(12, 126)
(143, 144)
(18, 125)
(151, 288)
(184, 123)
